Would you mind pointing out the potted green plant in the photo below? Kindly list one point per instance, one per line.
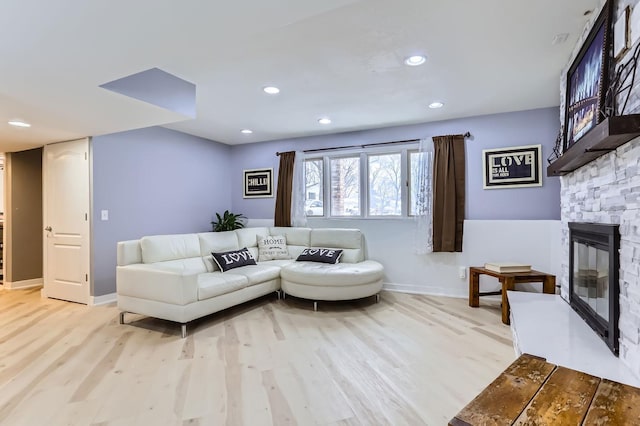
(228, 221)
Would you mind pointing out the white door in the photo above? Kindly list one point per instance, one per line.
(66, 220)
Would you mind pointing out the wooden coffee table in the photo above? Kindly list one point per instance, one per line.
(532, 391)
(508, 282)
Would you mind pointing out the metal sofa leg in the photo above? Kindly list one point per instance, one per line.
(377, 297)
(315, 305)
(284, 295)
(184, 330)
(279, 294)
(122, 316)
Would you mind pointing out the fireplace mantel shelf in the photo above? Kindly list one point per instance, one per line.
(545, 325)
(605, 137)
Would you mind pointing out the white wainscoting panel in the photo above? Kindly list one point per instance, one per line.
(391, 242)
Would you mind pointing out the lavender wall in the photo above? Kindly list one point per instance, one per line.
(153, 181)
(533, 127)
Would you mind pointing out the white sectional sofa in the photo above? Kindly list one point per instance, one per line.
(174, 277)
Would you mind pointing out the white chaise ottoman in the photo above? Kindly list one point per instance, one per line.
(342, 281)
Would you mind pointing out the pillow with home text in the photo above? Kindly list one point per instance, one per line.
(272, 247)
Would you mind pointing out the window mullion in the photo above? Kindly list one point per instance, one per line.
(364, 185)
(404, 183)
(326, 180)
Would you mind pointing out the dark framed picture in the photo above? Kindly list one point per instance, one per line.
(587, 80)
(258, 183)
(513, 167)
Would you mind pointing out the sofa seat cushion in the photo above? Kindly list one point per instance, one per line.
(257, 274)
(326, 275)
(157, 283)
(214, 284)
(279, 263)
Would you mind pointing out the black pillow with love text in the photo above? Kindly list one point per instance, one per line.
(323, 255)
(233, 259)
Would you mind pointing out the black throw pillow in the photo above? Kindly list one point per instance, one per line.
(323, 255)
(233, 259)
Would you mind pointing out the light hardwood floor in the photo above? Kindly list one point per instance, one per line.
(408, 360)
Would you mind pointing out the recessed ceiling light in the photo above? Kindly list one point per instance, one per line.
(324, 120)
(19, 123)
(434, 105)
(414, 61)
(246, 131)
(272, 90)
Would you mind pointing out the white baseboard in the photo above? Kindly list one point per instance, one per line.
(15, 285)
(421, 289)
(103, 300)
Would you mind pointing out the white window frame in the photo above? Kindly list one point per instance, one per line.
(363, 154)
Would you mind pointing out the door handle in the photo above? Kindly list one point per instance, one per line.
(48, 229)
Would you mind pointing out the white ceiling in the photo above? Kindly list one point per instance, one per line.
(336, 58)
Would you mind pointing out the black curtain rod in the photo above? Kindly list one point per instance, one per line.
(466, 135)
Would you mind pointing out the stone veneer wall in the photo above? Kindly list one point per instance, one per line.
(607, 190)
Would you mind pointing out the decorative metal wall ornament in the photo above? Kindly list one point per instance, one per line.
(621, 84)
(557, 148)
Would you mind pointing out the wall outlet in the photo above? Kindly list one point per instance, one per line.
(462, 272)
(104, 214)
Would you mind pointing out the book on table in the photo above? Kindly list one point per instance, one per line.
(507, 267)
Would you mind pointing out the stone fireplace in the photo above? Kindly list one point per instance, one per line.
(607, 191)
(593, 278)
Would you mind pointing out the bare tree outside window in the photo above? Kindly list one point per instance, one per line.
(345, 186)
(385, 198)
(313, 187)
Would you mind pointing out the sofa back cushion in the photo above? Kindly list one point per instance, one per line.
(248, 237)
(188, 265)
(211, 242)
(350, 240)
(298, 239)
(160, 248)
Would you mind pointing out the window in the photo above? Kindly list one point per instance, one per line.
(385, 188)
(314, 187)
(389, 182)
(345, 186)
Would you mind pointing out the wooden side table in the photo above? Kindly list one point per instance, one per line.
(508, 281)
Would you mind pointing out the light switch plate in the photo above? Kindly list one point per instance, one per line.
(104, 214)
(462, 272)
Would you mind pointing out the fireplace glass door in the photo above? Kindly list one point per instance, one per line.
(591, 277)
(594, 265)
